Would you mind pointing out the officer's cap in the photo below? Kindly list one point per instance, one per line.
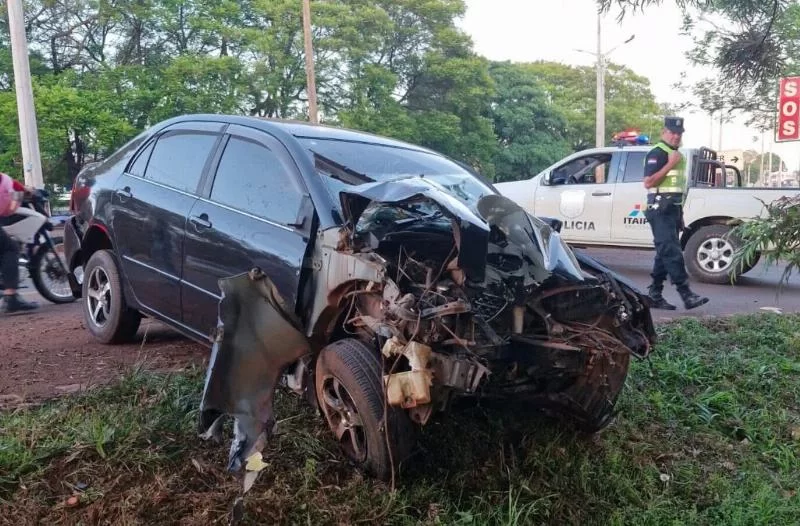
(674, 124)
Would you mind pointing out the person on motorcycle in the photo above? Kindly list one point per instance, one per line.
(11, 193)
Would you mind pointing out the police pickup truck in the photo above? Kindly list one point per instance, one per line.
(599, 197)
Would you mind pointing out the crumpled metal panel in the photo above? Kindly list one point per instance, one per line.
(257, 337)
(472, 232)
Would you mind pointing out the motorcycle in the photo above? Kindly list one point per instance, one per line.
(41, 255)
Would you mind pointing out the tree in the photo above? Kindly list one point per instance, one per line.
(772, 162)
(410, 73)
(629, 100)
(401, 68)
(75, 125)
(749, 48)
(530, 130)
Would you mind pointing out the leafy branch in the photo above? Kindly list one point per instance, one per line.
(775, 236)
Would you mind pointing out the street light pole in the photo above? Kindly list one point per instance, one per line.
(311, 83)
(600, 66)
(26, 111)
(600, 115)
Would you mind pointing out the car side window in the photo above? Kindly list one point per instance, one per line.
(591, 169)
(251, 178)
(634, 168)
(140, 163)
(178, 159)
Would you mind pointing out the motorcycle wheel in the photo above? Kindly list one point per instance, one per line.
(51, 285)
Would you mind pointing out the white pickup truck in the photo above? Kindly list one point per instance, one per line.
(599, 197)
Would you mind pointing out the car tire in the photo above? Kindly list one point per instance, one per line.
(709, 254)
(106, 314)
(349, 389)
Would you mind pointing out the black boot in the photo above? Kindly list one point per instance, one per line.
(15, 303)
(658, 300)
(690, 299)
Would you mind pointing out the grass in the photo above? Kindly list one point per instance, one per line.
(709, 433)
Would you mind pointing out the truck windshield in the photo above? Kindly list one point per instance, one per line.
(347, 163)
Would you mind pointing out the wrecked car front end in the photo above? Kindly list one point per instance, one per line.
(492, 304)
(444, 295)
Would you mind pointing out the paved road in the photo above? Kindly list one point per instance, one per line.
(754, 291)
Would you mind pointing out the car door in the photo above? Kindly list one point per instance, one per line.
(254, 213)
(150, 205)
(628, 223)
(579, 193)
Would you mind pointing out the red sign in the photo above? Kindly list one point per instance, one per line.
(789, 110)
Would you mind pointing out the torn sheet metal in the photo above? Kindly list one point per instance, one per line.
(541, 247)
(473, 231)
(258, 336)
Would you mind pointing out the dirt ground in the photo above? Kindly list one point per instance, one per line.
(49, 353)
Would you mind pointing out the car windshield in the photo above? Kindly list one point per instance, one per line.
(348, 163)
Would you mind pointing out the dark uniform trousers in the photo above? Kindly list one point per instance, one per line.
(665, 215)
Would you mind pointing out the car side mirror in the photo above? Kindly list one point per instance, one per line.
(546, 178)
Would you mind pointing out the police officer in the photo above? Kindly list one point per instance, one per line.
(665, 180)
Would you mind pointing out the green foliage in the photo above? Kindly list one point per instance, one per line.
(775, 235)
(531, 131)
(629, 100)
(708, 433)
(772, 162)
(75, 125)
(103, 71)
(755, 42)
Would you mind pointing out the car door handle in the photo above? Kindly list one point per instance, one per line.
(200, 221)
(601, 194)
(125, 192)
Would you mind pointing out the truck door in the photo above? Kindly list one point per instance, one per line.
(628, 224)
(579, 192)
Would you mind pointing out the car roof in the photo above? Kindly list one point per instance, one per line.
(302, 129)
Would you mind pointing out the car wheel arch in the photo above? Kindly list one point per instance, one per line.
(96, 238)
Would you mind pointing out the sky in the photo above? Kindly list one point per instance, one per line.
(529, 30)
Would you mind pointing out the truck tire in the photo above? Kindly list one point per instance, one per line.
(752, 264)
(349, 387)
(105, 311)
(709, 255)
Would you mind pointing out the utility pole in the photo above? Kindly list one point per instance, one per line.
(710, 129)
(600, 115)
(28, 131)
(761, 175)
(769, 166)
(311, 83)
(600, 66)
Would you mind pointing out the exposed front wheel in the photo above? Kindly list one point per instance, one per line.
(709, 255)
(107, 316)
(48, 272)
(348, 379)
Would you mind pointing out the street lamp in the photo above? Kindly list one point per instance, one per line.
(600, 66)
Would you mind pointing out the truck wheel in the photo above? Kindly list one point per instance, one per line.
(709, 255)
(349, 386)
(107, 316)
(752, 264)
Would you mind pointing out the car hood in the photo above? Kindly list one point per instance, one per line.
(473, 225)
